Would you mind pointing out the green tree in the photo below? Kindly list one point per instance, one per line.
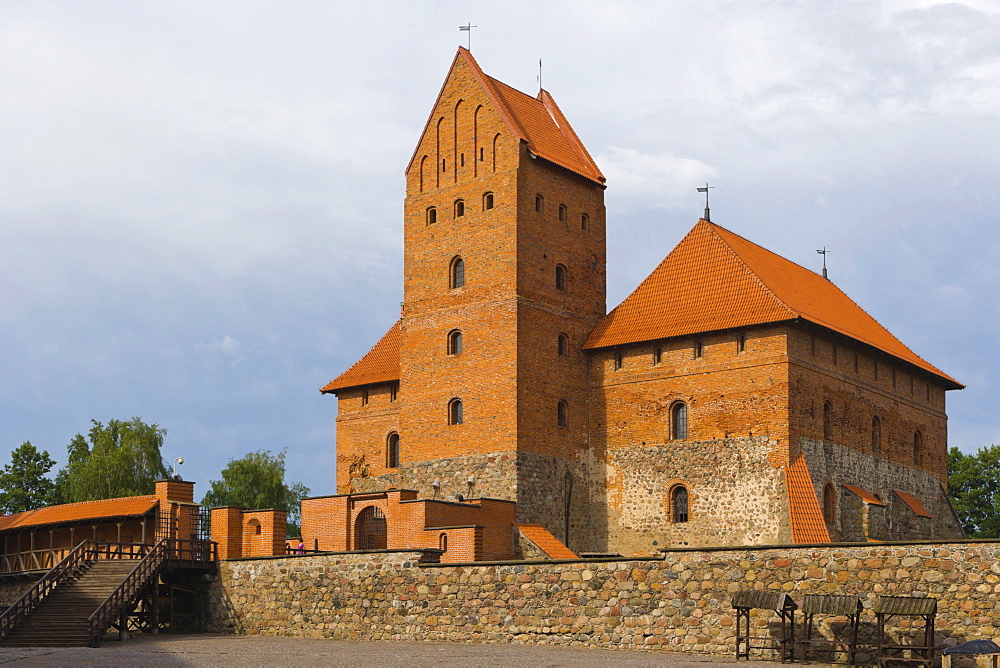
(23, 482)
(974, 488)
(121, 458)
(258, 481)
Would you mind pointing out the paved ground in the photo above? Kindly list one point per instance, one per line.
(228, 650)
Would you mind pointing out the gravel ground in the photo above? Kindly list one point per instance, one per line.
(230, 650)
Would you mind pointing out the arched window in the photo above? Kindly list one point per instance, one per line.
(443, 542)
(918, 448)
(829, 504)
(370, 529)
(432, 215)
(827, 421)
(679, 421)
(876, 435)
(457, 273)
(560, 277)
(459, 208)
(679, 504)
(454, 342)
(584, 222)
(455, 411)
(539, 203)
(562, 413)
(487, 201)
(562, 213)
(254, 527)
(563, 345)
(392, 450)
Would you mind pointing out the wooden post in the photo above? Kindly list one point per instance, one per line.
(123, 625)
(154, 618)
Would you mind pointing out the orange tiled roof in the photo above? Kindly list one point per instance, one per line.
(864, 495)
(715, 279)
(379, 365)
(545, 541)
(132, 506)
(914, 503)
(808, 525)
(537, 121)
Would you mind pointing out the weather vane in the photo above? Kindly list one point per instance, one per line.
(705, 190)
(823, 253)
(468, 28)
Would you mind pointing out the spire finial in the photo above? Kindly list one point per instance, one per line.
(539, 74)
(823, 253)
(468, 28)
(705, 190)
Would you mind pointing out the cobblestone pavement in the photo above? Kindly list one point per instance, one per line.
(230, 650)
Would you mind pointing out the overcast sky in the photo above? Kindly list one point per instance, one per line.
(200, 202)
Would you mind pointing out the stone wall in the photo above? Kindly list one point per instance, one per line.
(11, 590)
(679, 602)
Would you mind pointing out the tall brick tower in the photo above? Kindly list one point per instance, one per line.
(481, 388)
(504, 279)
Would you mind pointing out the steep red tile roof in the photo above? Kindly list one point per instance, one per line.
(913, 502)
(379, 365)
(537, 121)
(715, 279)
(133, 506)
(864, 495)
(808, 525)
(545, 541)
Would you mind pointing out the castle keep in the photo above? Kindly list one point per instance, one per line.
(734, 398)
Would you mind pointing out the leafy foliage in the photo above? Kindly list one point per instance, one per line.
(974, 488)
(258, 481)
(118, 459)
(23, 482)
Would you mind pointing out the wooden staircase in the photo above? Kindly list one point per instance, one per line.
(61, 619)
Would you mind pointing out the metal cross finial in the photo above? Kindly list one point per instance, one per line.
(468, 28)
(705, 190)
(823, 253)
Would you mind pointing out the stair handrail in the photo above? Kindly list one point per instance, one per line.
(129, 589)
(29, 600)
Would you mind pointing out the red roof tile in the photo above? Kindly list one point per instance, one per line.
(379, 365)
(864, 495)
(715, 279)
(803, 506)
(914, 503)
(537, 121)
(132, 506)
(545, 541)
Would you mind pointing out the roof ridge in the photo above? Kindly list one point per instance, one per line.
(757, 279)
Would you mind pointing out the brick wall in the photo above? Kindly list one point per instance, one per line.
(679, 602)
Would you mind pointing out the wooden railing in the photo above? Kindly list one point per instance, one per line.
(33, 560)
(125, 594)
(83, 554)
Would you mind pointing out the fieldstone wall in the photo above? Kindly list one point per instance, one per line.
(736, 496)
(11, 590)
(679, 602)
(829, 462)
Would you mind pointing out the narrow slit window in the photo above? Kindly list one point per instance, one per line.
(679, 420)
(657, 355)
(584, 222)
(563, 345)
(364, 397)
(876, 435)
(699, 349)
(918, 448)
(539, 203)
(562, 213)
(459, 208)
(741, 343)
(455, 412)
(457, 273)
(560, 278)
(487, 201)
(618, 361)
(827, 421)
(829, 504)
(392, 451)
(562, 413)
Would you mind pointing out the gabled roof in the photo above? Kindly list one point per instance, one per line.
(913, 503)
(132, 506)
(715, 279)
(808, 525)
(537, 121)
(379, 365)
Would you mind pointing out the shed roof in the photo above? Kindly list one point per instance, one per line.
(913, 503)
(133, 506)
(379, 365)
(808, 525)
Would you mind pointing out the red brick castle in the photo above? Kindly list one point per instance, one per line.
(734, 398)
